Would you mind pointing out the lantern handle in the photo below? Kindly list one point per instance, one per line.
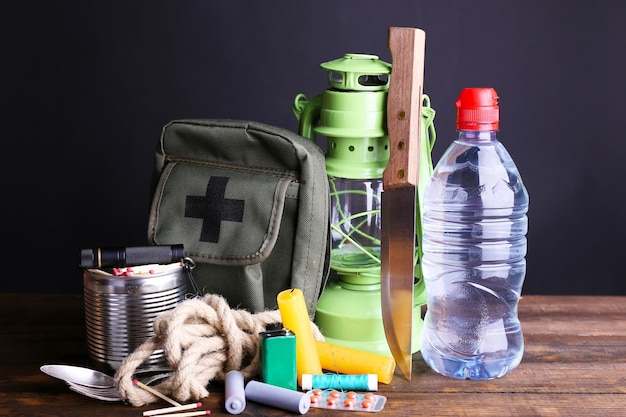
(308, 114)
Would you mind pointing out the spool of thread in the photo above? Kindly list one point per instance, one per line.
(283, 398)
(235, 393)
(345, 360)
(365, 382)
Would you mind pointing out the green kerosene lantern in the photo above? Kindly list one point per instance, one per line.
(352, 117)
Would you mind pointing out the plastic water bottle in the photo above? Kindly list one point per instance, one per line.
(474, 248)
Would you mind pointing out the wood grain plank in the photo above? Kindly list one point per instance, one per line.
(574, 365)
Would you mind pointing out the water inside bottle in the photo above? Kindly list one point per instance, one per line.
(471, 329)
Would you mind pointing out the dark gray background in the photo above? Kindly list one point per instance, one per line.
(87, 86)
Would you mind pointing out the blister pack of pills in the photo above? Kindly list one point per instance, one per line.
(347, 400)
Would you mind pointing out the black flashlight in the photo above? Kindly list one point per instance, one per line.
(117, 257)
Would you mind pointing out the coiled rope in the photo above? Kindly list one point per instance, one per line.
(202, 339)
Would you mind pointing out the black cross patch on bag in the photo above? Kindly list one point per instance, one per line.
(213, 209)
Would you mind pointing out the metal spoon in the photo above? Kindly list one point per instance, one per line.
(92, 378)
(78, 375)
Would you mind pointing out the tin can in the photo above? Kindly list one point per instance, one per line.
(120, 311)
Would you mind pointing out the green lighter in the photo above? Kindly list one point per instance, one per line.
(277, 358)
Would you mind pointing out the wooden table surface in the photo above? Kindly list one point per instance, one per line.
(574, 365)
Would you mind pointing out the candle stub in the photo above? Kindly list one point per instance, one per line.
(295, 317)
(345, 360)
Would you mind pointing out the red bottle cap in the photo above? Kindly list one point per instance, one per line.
(477, 109)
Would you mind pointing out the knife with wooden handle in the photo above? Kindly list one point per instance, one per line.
(404, 115)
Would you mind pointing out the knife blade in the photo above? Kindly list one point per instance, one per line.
(400, 180)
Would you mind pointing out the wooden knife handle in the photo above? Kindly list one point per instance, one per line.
(404, 106)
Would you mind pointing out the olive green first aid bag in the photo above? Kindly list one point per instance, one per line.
(250, 203)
